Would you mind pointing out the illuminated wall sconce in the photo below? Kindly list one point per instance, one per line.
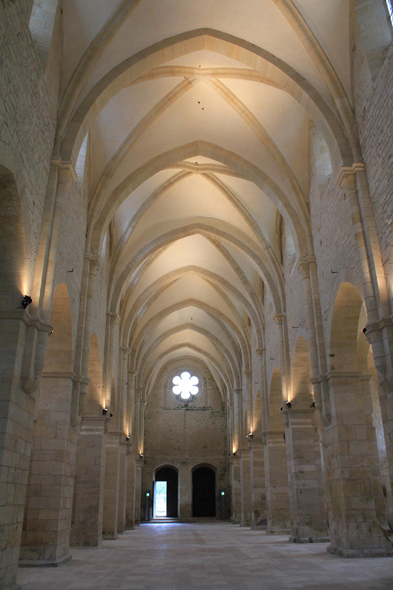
(312, 405)
(250, 435)
(26, 301)
(289, 405)
(104, 411)
(127, 438)
(141, 455)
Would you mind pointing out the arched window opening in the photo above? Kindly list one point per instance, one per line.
(81, 160)
(204, 492)
(323, 163)
(389, 4)
(375, 22)
(41, 24)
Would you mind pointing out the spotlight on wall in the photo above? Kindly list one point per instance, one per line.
(141, 455)
(110, 414)
(25, 302)
(289, 405)
(104, 411)
(127, 438)
(234, 454)
(312, 405)
(250, 435)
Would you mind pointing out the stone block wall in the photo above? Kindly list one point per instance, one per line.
(373, 106)
(186, 434)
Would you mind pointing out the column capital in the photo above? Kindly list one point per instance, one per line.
(346, 177)
(114, 317)
(66, 167)
(303, 264)
(260, 351)
(278, 318)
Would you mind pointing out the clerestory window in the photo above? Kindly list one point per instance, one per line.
(185, 385)
(389, 4)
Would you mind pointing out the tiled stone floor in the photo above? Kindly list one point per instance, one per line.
(208, 556)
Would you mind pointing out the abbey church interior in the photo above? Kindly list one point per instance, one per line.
(196, 294)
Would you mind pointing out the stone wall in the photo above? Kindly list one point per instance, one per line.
(186, 434)
(29, 99)
(374, 116)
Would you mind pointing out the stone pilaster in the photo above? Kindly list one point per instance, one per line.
(246, 487)
(236, 493)
(138, 491)
(306, 490)
(130, 490)
(259, 518)
(112, 476)
(277, 495)
(121, 521)
(89, 483)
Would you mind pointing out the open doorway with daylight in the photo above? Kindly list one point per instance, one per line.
(166, 495)
(203, 492)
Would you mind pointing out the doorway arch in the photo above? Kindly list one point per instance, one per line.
(171, 477)
(203, 491)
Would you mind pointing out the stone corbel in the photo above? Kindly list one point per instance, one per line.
(278, 319)
(66, 168)
(303, 265)
(346, 179)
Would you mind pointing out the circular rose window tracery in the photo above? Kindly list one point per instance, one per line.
(185, 385)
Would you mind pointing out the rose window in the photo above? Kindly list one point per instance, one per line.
(185, 385)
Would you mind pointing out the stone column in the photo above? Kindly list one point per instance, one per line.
(277, 496)
(89, 483)
(130, 490)
(121, 522)
(185, 481)
(306, 490)
(111, 494)
(16, 433)
(353, 180)
(138, 486)
(45, 540)
(258, 489)
(236, 491)
(246, 487)
(353, 482)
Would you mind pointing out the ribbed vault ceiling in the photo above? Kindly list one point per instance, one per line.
(198, 117)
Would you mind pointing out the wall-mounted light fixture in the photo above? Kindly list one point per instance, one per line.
(141, 455)
(289, 405)
(25, 302)
(127, 438)
(312, 405)
(250, 435)
(110, 414)
(104, 411)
